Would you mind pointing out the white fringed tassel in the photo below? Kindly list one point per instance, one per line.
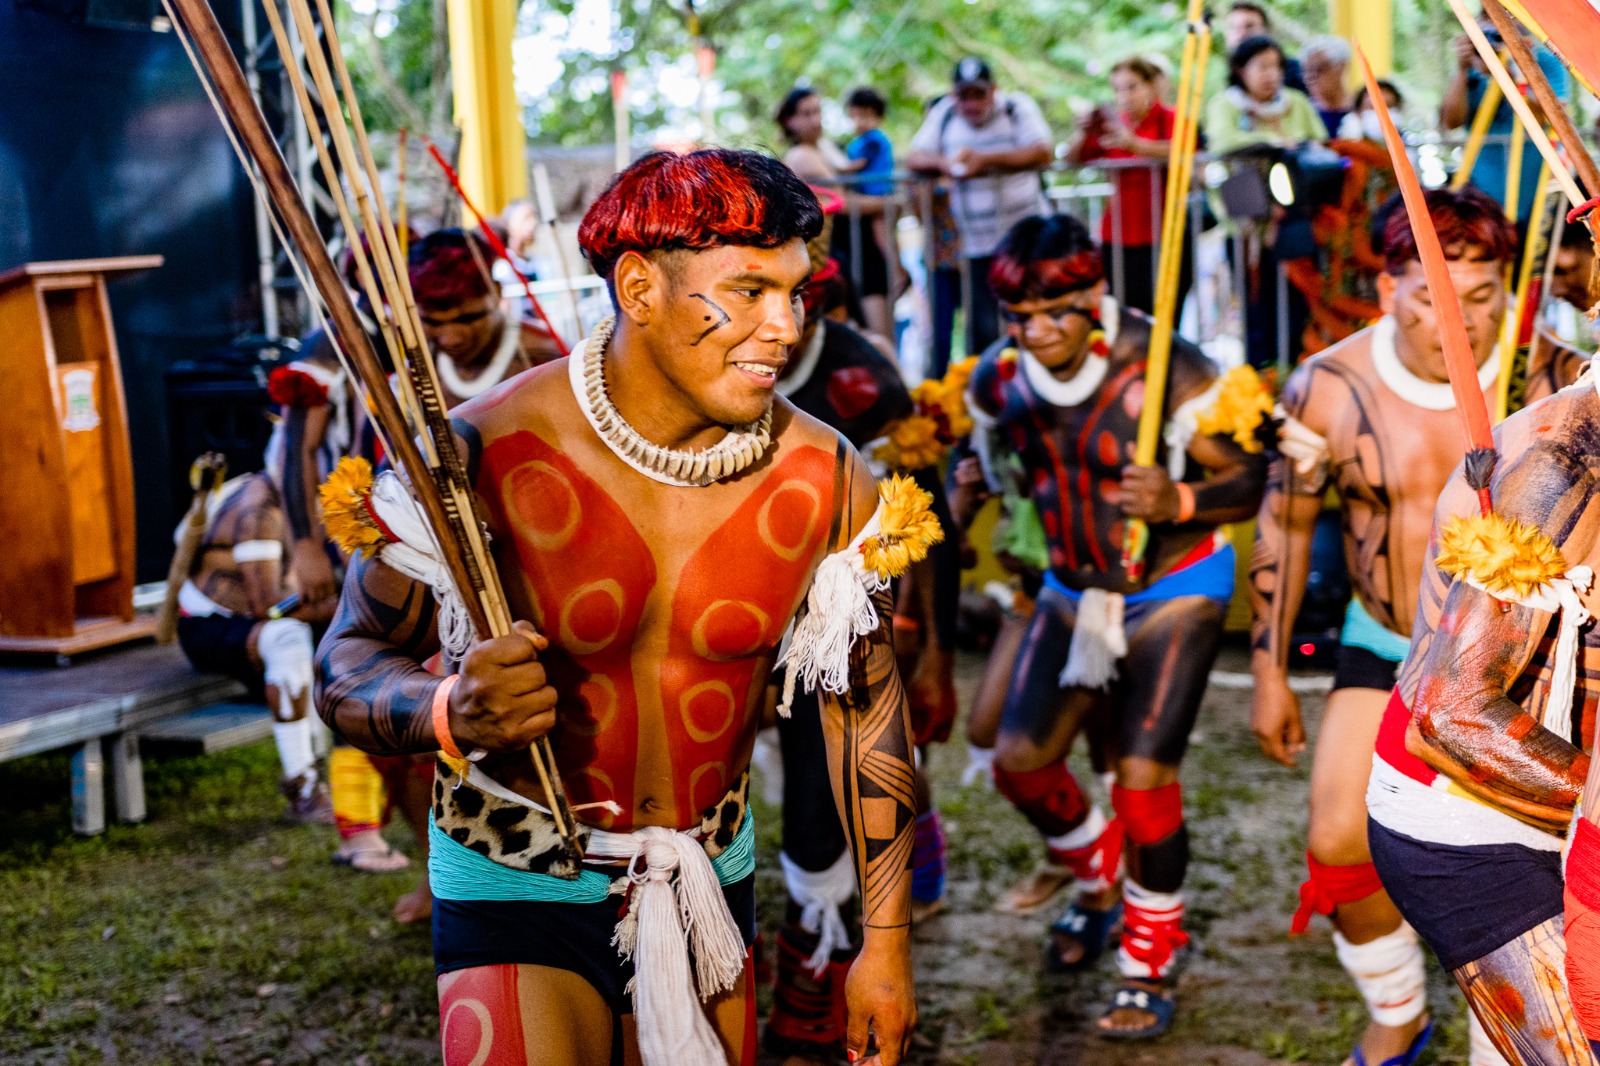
(838, 610)
(1389, 973)
(1564, 669)
(820, 895)
(665, 918)
(1098, 641)
(417, 556)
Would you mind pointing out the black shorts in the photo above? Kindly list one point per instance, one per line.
(1458, 899)
(1360, 668)
(565, 936)
(220, 644)
(874, 279)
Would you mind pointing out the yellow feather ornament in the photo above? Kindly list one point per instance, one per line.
(913, 444)
(347, 507)
(907, 528)
(1243, 406)
(1510, 559)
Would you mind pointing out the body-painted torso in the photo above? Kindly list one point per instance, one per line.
(664, 606)
(852, 386)
(1388, 459)
(1073, 457)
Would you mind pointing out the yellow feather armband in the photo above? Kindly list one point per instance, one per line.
(907, 528)
(1243, 406)
(347, 512)
(1508, 559)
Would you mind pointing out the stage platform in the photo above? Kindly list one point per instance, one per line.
(101, 705)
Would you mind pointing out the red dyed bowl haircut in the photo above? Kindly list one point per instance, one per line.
(1471, 225)
(1045, 258)
(445, 273)
(706, 199)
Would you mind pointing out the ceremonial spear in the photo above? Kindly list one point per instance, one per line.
(1180, 171)
(414, 427)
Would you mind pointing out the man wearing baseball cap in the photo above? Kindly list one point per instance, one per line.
(989, 145)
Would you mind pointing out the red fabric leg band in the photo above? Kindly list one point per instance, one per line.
(1329, 886)
(807, 1010)
(1150, 815)
(1048, 797)
(1583, 927)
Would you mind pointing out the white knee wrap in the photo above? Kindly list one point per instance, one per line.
(820, 895)
(1389, 974)
(284, 645)
(1481, 1050)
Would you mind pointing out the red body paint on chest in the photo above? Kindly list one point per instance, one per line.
(733, 602)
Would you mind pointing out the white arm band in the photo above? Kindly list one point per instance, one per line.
(258, 551)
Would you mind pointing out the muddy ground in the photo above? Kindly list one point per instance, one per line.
(215, 933)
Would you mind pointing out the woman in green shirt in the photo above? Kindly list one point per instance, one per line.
(1256, 107)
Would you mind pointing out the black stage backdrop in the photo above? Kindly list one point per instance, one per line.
(109, 147)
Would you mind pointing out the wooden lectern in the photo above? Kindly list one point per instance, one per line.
(66, 478)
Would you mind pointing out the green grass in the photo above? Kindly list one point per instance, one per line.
(217, 933)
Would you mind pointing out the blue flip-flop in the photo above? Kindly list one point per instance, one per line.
(1407, 1057)
(1090, 928)
(1160, 1005)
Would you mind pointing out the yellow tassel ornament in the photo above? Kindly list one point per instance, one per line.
(1242, 408)
(907, 528)
(347, 508)
(913, 444)
(1508, 558)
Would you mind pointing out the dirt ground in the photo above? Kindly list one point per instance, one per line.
(215, 933)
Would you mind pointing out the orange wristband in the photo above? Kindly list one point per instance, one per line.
(1185, 501)
(441, 717)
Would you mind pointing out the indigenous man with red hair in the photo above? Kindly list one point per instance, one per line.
(1064, 403)
(1374, 415)
(474, 344)
(658, 517)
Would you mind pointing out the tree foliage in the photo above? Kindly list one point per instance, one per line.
(1057, 51)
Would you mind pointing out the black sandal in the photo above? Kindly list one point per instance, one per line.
(1161, 1005)
(1091, 928)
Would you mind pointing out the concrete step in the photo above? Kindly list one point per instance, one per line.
(210, 729)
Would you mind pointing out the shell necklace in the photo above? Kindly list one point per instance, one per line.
(741, 448)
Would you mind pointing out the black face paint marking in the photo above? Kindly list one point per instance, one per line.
(714, 326)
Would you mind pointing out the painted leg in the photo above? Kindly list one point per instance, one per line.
(1519, 992)
(522, 1015)
(1375, 946)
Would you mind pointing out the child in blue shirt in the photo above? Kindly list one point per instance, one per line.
(870, 154)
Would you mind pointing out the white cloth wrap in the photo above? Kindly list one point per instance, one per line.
(286, 651)
(416, 555)
(838, 611)
(820, 895)
(980, 766)
(1098, 641)
(1184, 424)
(1305, 448)
(1389, 973)
(1561, 598)
(677, 906)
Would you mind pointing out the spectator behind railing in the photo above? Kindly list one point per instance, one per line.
(1138, 127)
(1361, 124)
(815, 158)
(1324, 62)
(1458, 107)
(1256, 107)
(989, 145)
(1245, 19)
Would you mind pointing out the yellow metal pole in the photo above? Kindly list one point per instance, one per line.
(1370, 25)
(1180, 170)
(1511, 331)
(1514, 173)
(493, 161)
(1487, 106)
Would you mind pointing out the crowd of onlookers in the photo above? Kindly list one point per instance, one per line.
(975, 166)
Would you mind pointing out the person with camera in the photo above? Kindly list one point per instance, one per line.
(1138, 126)
(1463, 96)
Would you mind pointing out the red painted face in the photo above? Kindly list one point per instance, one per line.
(731, 317)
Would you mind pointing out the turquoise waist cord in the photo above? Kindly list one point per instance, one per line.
(457, 872)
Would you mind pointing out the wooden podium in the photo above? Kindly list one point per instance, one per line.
(66, 478)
